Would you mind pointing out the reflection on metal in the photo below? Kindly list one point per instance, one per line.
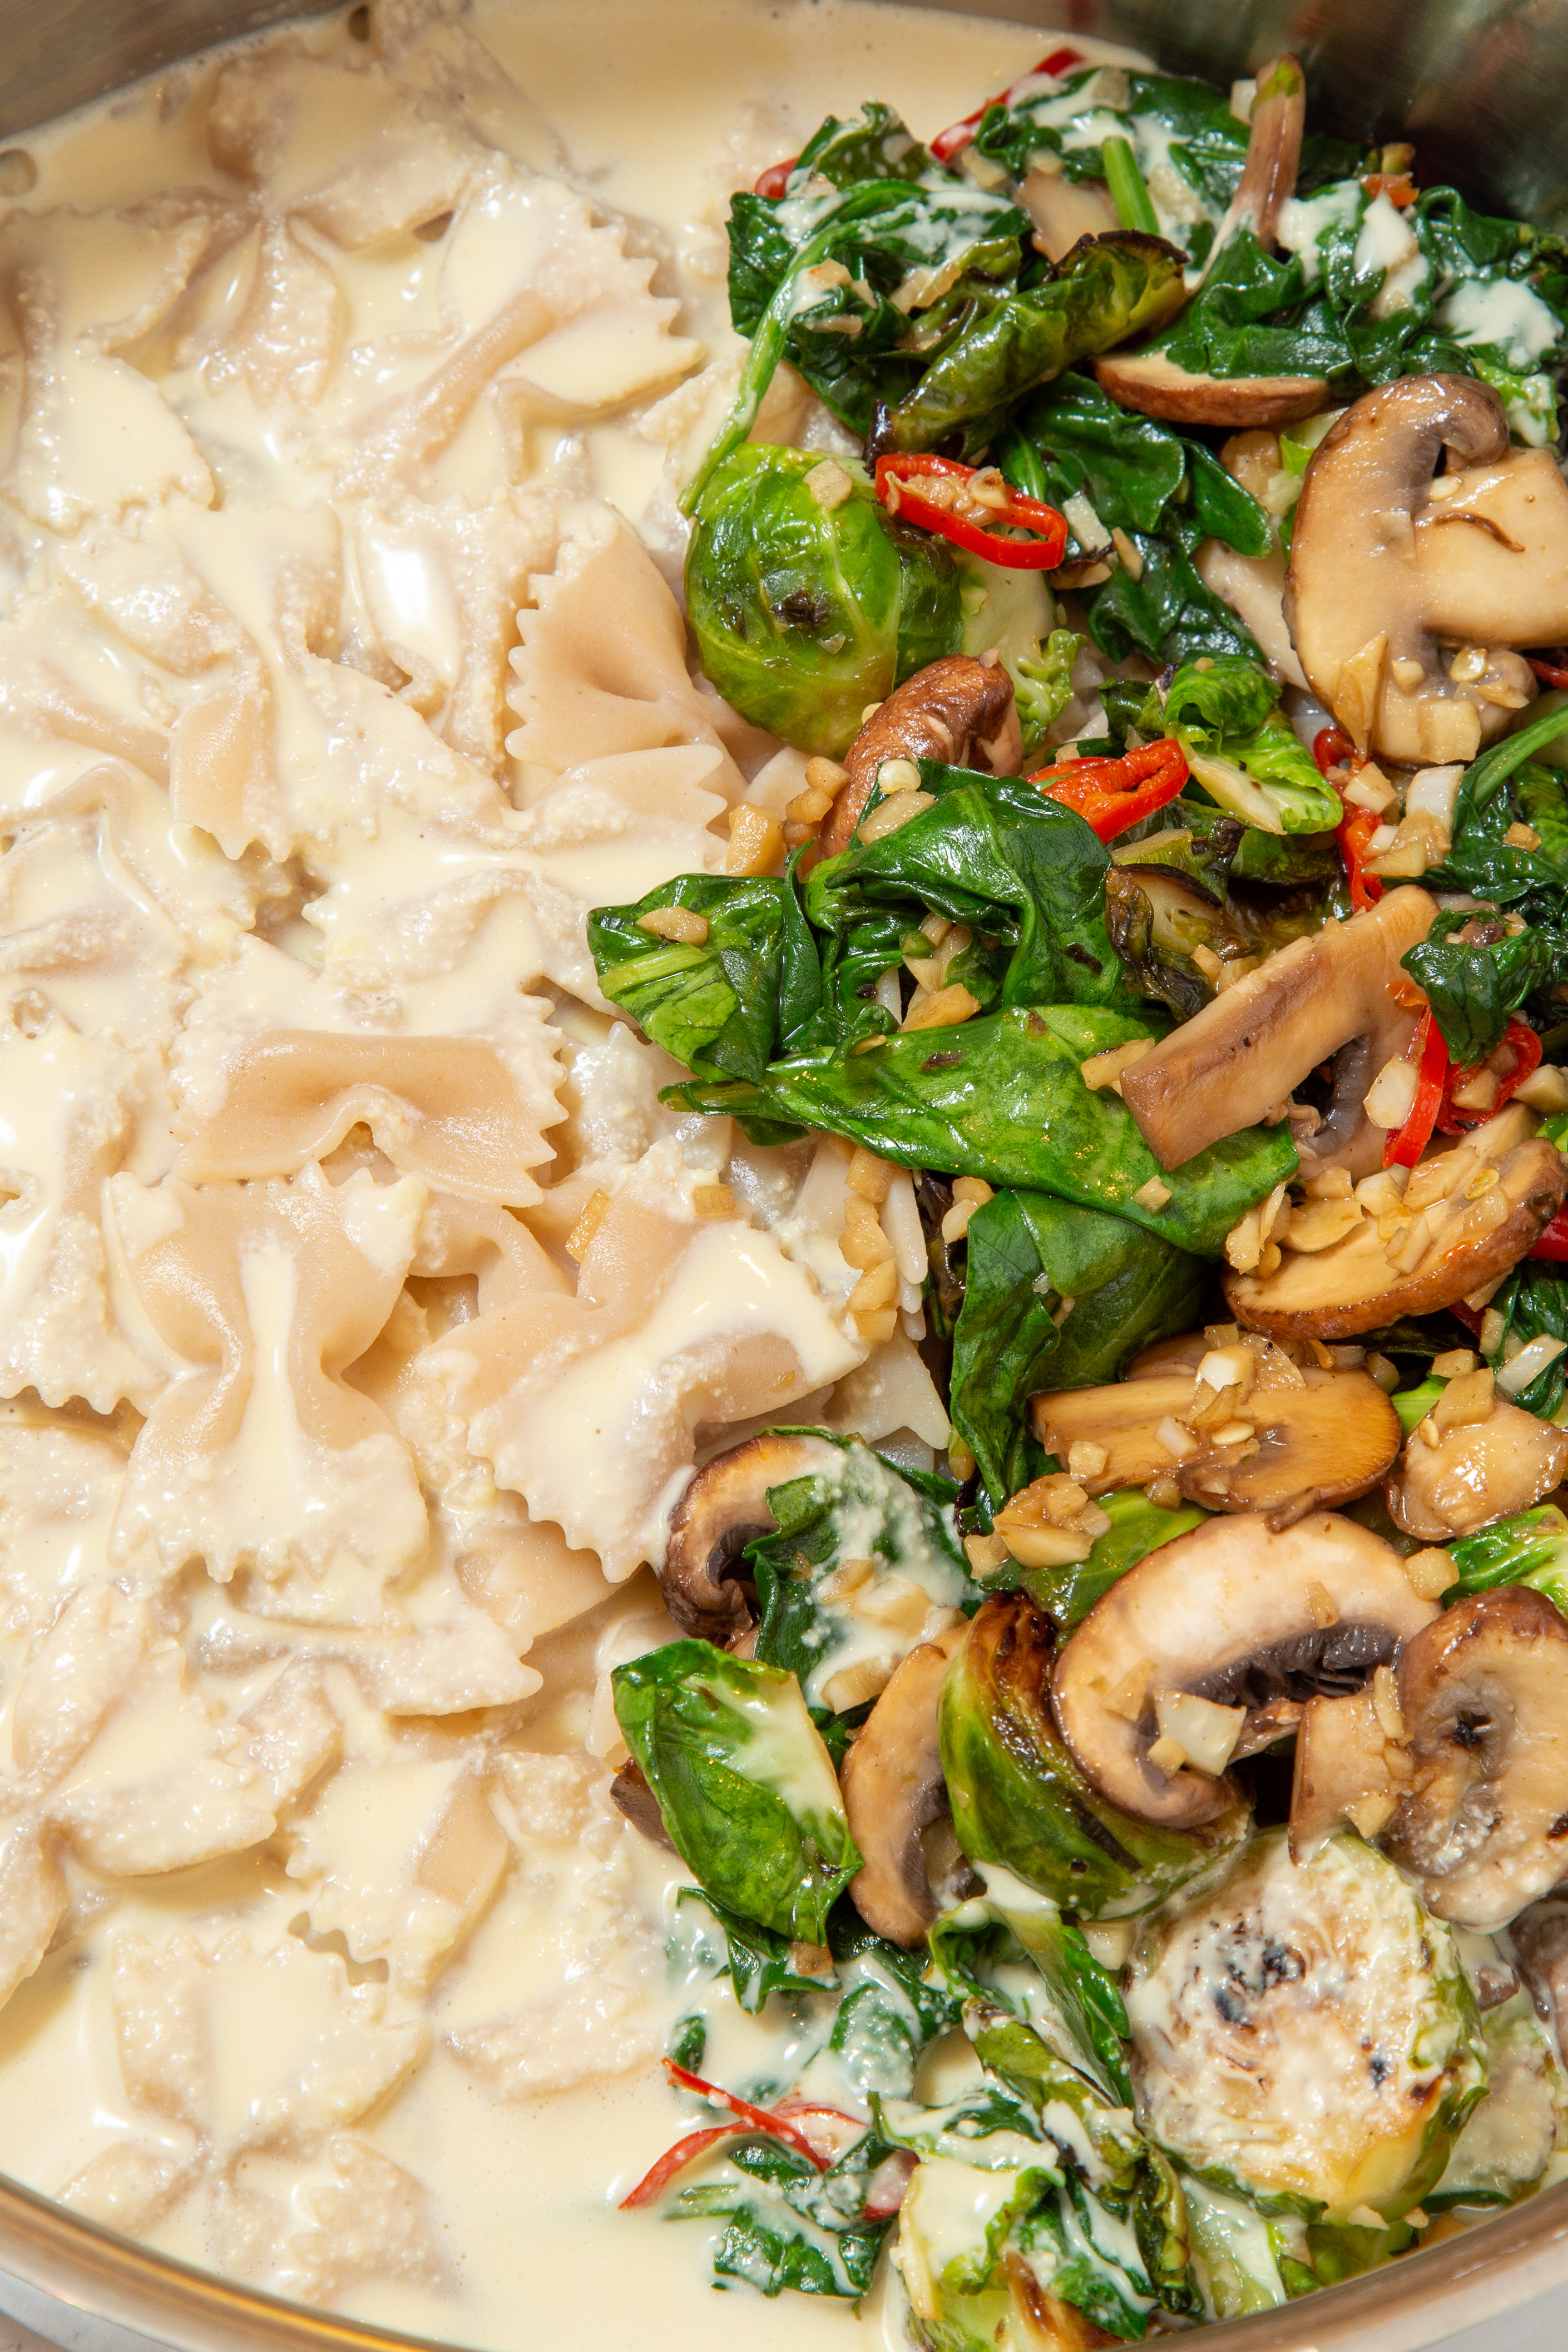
(1483, 85)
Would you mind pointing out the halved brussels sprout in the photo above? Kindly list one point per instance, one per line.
(1017, 1797)
(1515, 2131)
(1304, 2034)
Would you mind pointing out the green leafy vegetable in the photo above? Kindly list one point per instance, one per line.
(1002, 1097)
(1137, 1527)
(1473, 989)
(1244, 751)
(1531, 1549)
(722, 1008)
(1533, 1304)
(743, 1781)
(1490, 800)
(1028, 1256)
(1020, 1800)
(757, 1959)
(866, 1508)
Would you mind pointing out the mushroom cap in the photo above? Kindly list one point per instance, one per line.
(894, 1791)
(1225, 1612)
(1154, 385)
(1479, 1472)
(948, 711)
(725, 1508)
(1377, 574)
(1312, 1441)
(1484, 1692)
(1354, 1284)
(635, 1802)
(1239, 1058)
(1540, 1938)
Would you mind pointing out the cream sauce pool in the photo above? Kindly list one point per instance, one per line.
(399, 2057)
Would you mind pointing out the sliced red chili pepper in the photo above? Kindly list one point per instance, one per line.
(1471, 1316)
(757, 2118)
(657, 2179)
(1552, 1244)
(1405, 1146)
(1526, 1048)
(775, 181)
(937, 494)
(1398, 187)
(884, 2190)
(1331, 747)
(1112, 794)
(946, 143)
(1548, 672)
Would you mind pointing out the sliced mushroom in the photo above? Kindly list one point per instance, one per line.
(1316, 1438)
(894, 1793)
(1065, 210)
(724, 1510)
(1150, 382)
(1452, 1231)
(1155, 386)
(1348, 1772)
(953, 710)
(1247, 1051)
(631, 1797)
(1235, 1613)
(1254, 588)
(1380, 570)
(1485, 1696)
(1477, 1471)
(1539, 1940)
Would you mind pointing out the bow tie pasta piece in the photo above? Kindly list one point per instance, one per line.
(372, 2220)
(68, 1106)
(588, 1406)
(32, 1897)
(60, 1475)
(258, 1456)
(96, 436)
(190, 2052)
(601, 662)
(144, 1778)
(277, 1063)
(78, 938)
(292, 1733)
(402, 1859)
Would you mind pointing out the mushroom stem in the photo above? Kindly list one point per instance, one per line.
(1273, 156)
(1249, 1049)
(894, 1791)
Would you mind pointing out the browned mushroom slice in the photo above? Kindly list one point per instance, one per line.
(1254, 588)
(1282, 1448)
(1182, 1354)
(1243, 1055)
(1540, 1938)
(1451, 1232)
(1155, 386)
(1465, 1477)
(1235, 1614)
(722, 1510)
(1485, 1695)
(1381, 570)
(632, 1798)
(894, 1793)
(1349, 1774)
(957, 710)
(1063, 210)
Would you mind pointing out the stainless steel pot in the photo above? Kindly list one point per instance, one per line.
(1483, 84)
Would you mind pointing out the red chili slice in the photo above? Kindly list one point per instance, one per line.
(1405, 1146)
(1547, 672)
(1112, 794)
(1331, 747)
(756, 2118)
(946, 143)
(775, 181)
(937, 494)
(1526, 1047)
(654, 2181)
(1552, 1244)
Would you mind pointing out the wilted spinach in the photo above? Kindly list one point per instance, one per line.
(1533, 1304)
(1473, 989)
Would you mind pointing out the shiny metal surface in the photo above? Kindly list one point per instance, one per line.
(1483, 85)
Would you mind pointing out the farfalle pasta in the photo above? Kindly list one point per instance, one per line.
(363, 1310)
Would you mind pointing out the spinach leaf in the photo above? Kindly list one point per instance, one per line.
(1533, 1304)
(743, 1781)
(1002, 1097)
(1251, 317)
(1490, 800)
(1104, 291)
(758, 1959)
(1167, 613)
(992, 852)
(1137, 1527)
(1130, 468)
(1029, 1256)
(783, 2229)
(864, 1508)
(873, 144)
(1473, 989)
(725, 1007)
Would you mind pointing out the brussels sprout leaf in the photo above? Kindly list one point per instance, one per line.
(1531, 1549)
(1137, 1527)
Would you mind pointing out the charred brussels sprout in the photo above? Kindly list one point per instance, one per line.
(805, 610)
(1017, 1797)
(1304, 2035)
